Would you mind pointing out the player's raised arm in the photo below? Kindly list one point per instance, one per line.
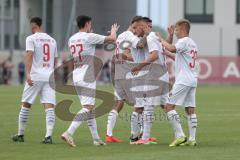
(113, 36)
(170, 34)
(168, 46)
(169, 54)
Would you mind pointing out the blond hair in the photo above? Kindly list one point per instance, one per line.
(185, 23)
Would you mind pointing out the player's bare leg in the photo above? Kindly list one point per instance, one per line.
(81, 117)
(22, 121)
(192, 126)
(50, 122)
(174, 120)
(112, 117)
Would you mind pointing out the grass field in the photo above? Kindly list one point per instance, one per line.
(218, 131)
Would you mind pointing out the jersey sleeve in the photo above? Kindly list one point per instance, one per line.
(152, 44)
(134, 40)
(180, 45)
(29, 44)
(96, 38)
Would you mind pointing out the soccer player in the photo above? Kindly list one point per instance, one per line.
(128, 44)
(120, 55)
(40, 61)
(155, 54)
(83, 44)
(184, 89)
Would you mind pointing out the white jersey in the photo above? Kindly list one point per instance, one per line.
(185, 62)
(83, 44)
(126, 40)
(44, 50)
(139, 54)
(155, 45)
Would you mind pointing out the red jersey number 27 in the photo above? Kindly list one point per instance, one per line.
(74, 49)
(193, 54)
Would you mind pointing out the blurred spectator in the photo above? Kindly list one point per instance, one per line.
(1, 70)
(21, 72)
(106, 72)
(7, 71)
(4, 73)
(65, 71)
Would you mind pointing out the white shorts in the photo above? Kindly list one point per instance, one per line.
(120, 90)
(125, 92)
(86, 97)
(84, 77)
(43, 89)
(160, 99)
(182, 95)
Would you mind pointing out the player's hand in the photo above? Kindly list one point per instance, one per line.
(115, 27)
(136, 70)
(159, 36)
(171, 30)
(29, 81)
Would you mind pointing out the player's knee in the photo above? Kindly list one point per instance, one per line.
(89, 107)
(139, 110)
(162, 106)
(190, 110)
(168, 107)
(118, 106)
(26, 105)
(48, 105)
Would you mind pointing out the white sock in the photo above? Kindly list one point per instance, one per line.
(50, 121)
(140, 122)
(192, 126)
(134, 124)
(174, 120)
(22, 120)
(148, 118)
(112, 117)
(92, 124)
(77, 121)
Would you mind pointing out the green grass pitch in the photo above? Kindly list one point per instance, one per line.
(218, 131)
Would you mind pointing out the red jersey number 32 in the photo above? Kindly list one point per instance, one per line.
(193, 54)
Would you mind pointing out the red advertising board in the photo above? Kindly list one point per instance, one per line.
(217, 70)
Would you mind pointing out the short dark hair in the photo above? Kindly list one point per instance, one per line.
(146, 19)
(136, 19)
(82, 20)
(37, 21)
(185, 23)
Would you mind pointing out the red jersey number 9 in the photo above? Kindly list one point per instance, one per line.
(46, 52)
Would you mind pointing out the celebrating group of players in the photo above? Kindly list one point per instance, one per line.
(138, 49)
